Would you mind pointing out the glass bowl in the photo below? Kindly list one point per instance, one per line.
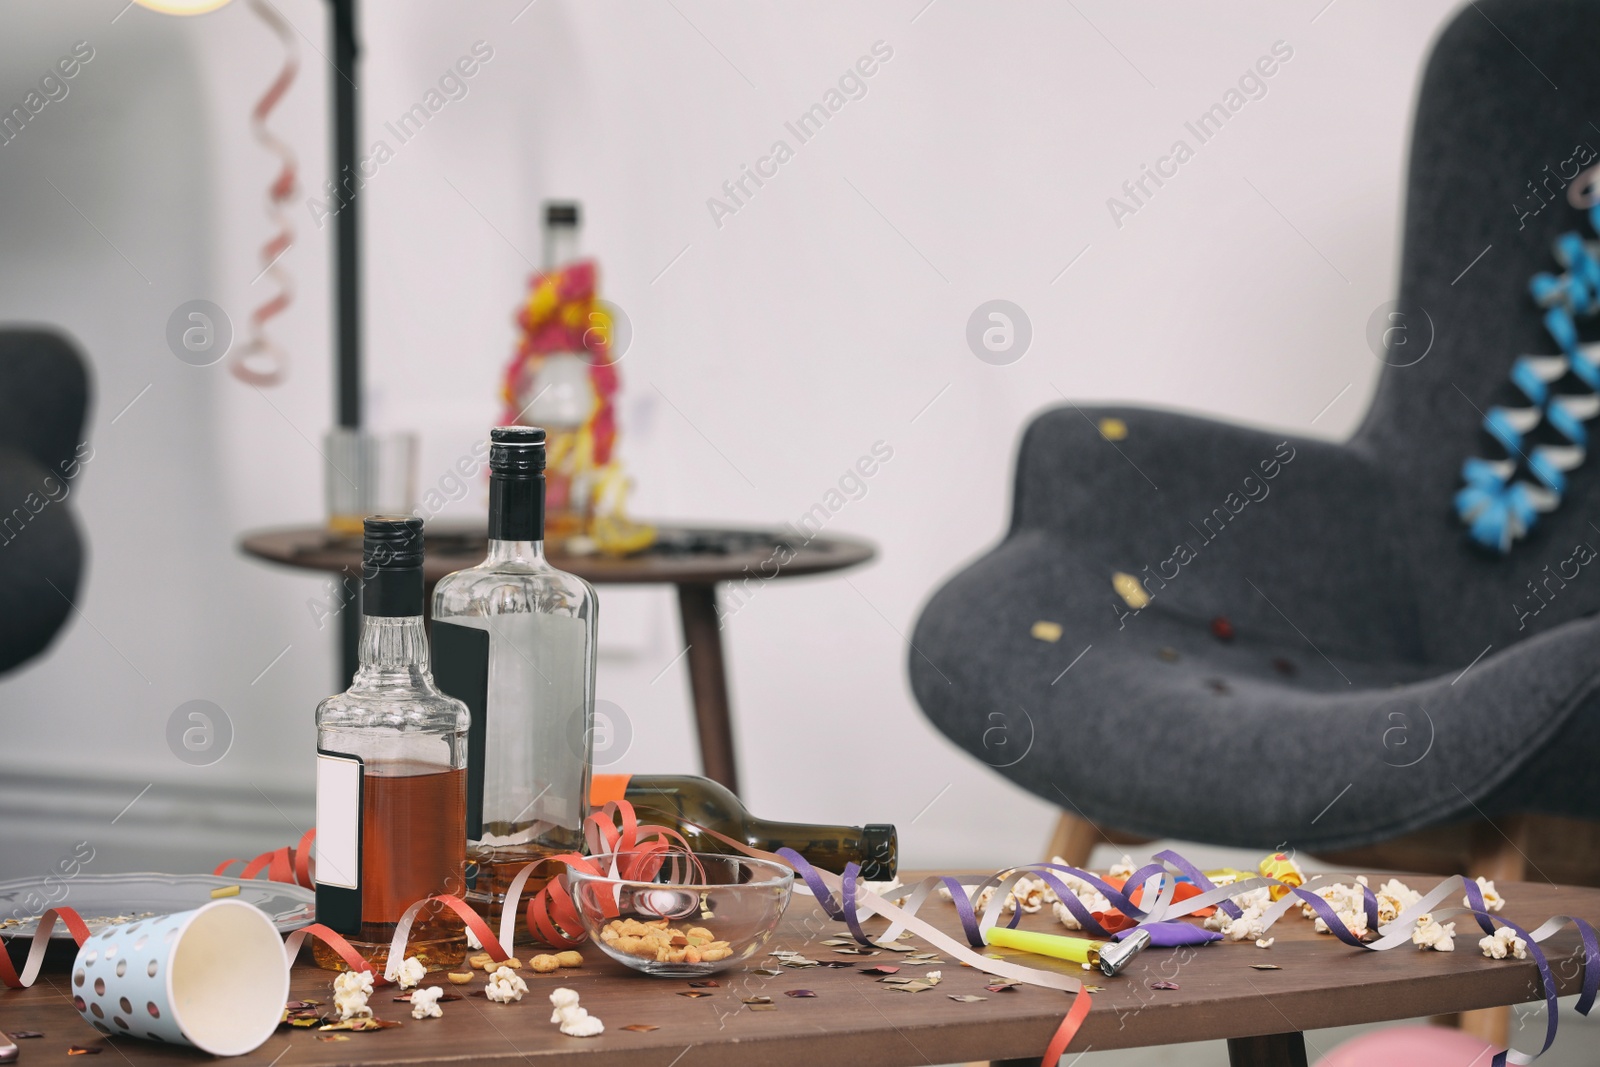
(681, 915)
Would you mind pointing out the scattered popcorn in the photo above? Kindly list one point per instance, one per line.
(1435, 935)
(1124, 869)
(574, 1020)
(1031, 894)
(1251, 923)
(1349, 903)
(350, 992)
(1394, 897)
(1090, 897)
(1502, 943)
(410, 973)
(1265, 942)
(505, 985)
(1492, 900)
(425, 1003)
(934, 976)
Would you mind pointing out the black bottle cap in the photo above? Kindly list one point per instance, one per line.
(516, 483)
(516, 451)
(561, 213)
(391, 566)
(881, 844)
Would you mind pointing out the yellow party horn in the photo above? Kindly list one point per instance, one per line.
(1110, 956)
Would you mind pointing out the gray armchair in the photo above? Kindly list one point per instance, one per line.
(1384, 674)
(44, 395)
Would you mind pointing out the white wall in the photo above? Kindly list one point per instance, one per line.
(821, 317)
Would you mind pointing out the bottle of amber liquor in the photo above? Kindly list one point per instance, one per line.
(391, 773)
(514, 638)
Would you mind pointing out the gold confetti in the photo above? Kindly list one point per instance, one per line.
(1113, 429)
(224, 891)
(1130, 590)
(1044, 630)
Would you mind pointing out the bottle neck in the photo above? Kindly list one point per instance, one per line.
(501, 551)
(393, 649)
(516, 510)
(560, 246)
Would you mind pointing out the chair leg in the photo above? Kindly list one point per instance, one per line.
(1073, 839)
(1499, 853)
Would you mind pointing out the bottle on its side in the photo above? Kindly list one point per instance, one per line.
(514, 638)
(689, 804)
(391, 772)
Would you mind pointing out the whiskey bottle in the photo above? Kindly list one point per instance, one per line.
(685, 803)
(391, 772)
(514, 638)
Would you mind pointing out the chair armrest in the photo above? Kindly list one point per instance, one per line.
(1216, 519)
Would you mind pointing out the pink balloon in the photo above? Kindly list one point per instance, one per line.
(1410, 1046)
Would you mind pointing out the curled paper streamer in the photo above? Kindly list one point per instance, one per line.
(36, 948)
(260, 360)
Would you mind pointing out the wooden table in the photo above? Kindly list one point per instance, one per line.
(854, 1019)
(694, 559)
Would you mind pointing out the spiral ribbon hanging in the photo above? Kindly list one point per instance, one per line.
(1498, 507)
(261, 360)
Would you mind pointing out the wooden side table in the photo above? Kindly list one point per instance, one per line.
(694, 559)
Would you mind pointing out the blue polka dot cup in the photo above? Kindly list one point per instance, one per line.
(215, 978)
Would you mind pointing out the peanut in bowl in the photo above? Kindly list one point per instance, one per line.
(681, 915)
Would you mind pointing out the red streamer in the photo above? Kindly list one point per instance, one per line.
(260, 360)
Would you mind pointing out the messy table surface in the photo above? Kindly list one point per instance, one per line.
(839, 1014)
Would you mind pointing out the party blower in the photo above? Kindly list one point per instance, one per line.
(1110, 956)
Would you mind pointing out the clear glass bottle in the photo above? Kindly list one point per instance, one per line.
(391, 772)
(562, 394)
(515, 639)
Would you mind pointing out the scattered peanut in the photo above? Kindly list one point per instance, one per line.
(544, 964)
(569, 959)
(459, 978)
(512, 962)
(658, 941)
(480, 961)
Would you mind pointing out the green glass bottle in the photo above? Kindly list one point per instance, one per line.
(686, 803)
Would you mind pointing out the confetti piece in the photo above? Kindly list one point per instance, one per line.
(1095, 988)
(966, 998)
(916, 985)
(763, 1007)
(893, 946)
(1002, 987)
(444, 998)
(301, 1005)
(84, 1050)
(1221, 628)
(1163, 985)
(1044, 630)
(1260, 967)
(1113, 429)
(882, 968)
(641, 1028)
(1130, 590)
(23, 1035)
(837, 963)
(224, 891)
(693, 993)
(705, 983)
(332, 1037)
(361, 1024)
(798, 993)
(757, 1000)
(768, 972)
(856, 950)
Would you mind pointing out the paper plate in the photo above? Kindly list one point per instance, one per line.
(124, 898)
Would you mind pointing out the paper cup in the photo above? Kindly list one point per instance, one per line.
(215, 978)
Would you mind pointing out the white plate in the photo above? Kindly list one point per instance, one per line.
(104, 898)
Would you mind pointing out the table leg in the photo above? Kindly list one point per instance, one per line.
(1269, 1050)
(708, 681)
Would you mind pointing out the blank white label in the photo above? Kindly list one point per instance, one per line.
(338, 821)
